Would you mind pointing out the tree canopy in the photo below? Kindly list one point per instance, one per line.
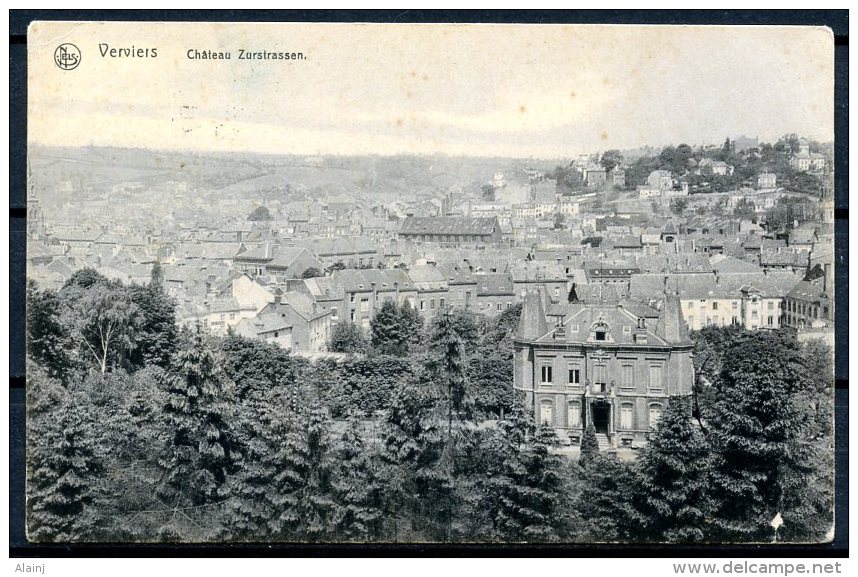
(260, 213)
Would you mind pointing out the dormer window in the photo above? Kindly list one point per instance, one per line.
(600, 331)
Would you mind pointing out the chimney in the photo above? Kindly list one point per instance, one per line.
(640, 331)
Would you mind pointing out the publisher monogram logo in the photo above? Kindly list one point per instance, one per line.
(67, 56)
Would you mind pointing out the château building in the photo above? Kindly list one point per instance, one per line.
(608, 363)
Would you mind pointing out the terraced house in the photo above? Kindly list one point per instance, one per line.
(750, 300)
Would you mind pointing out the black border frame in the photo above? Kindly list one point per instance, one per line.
(837, 20)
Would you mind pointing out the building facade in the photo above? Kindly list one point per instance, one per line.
(601, 364)
(451, 230)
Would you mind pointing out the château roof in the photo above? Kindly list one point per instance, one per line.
(532, 324)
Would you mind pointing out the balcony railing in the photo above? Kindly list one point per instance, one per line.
(599, 389)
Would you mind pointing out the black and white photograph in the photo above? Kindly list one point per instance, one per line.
(345, 283)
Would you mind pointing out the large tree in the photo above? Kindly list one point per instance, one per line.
(202, 449)
(611, 159)
(48, 339)
(264, 419)
(522, 483)
(390, 336)
(260, 213)
(347, 337)
(358, 487)
(449, 360)
(255, 365)
(64, 467)
(305, 487)
(760, 428)
(710, 347)
(104, 321)
(157, 334)
(418, 477)
(674, 468)
(609, 501)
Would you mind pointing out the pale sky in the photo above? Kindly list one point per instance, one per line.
(479, 90)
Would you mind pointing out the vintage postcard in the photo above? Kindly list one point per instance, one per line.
(407, 283)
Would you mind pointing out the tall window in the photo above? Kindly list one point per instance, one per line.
(547, 376)
(574, 375)
(546, 413)
(599, 374)
(655, 377)
(628, 376)
(626, 415)
(574, 417)
(655, 413)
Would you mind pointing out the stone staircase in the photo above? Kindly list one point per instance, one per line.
(604, 444)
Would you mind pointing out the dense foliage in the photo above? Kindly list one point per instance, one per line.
(691, 164)
(411, 435)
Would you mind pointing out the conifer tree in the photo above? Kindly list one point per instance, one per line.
(412, 325)
(358, 487)
(63, 465)
(252, 504)
(201, 450)
(320, 514)
(302, 482)
(589, 445)
(450, 363)
(674, 469)
(760, 430)
(390, 336)
(524, 493)
(609, 502)
(414, 440)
